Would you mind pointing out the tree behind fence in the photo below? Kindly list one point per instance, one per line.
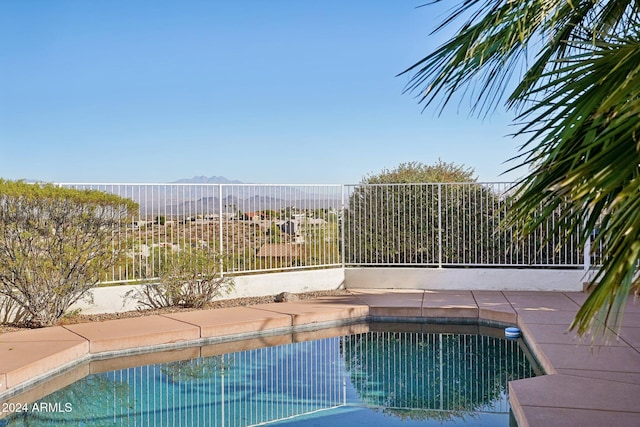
(457, 224)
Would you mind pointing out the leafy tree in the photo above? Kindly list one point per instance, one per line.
(578, 102)
(417, 172)
(271, 214)
(403, 216)
(274, 233)
(55, 244)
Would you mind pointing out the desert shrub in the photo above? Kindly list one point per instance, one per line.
(11, 312)
(189, 278)
(55, 244)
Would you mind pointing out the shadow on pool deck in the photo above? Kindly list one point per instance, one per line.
(587, 384)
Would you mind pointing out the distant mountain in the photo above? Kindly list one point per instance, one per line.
(207, 180)
(235, 202)
(205, 195)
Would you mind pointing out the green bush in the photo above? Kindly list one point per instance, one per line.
(55, 243)
(189, 278)
(402, 216)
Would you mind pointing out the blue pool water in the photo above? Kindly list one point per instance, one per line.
(375, 378)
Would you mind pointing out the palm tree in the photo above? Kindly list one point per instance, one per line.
(577, 101)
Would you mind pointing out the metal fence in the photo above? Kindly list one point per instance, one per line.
(250, 228)
(445, 224)
(256, 228)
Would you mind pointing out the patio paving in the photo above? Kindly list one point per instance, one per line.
(228, 321)
(30, 354)
(132, 333)
(588, 383)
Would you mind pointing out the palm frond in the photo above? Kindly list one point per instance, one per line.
(586, 155)
(500, 37)
(579, 101)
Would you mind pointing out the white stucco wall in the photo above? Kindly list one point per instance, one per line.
(491, 279)
(294, 282)
(109, 299)
(112, 299)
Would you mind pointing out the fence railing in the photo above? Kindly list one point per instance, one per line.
(445, 224)
(256, 228)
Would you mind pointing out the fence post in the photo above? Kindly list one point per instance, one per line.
(342, 225)
(439, 225)
(220, 260)
(586, 256)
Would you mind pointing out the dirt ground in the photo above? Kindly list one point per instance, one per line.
(235, 302)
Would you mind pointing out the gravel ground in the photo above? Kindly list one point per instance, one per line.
(236, 302)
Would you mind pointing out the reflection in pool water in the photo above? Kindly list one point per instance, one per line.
(374, 378)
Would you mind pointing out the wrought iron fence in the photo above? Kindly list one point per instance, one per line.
(250, 228)
(445, 224)
(256, 228)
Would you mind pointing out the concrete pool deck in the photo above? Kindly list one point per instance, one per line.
(588, 384)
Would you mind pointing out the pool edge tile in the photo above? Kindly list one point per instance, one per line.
(125, 362)
(535, 416)
(309, 312)
(54, 357)
(245, 345)
(461, 312)
(498, 315)
(32, 353)
(231, 321)
(134, 333)
(391, 304)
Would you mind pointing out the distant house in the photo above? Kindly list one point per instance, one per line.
(253, 216)
(290, 227)
(299, 217)
(228, 216)
(293, 229)
(145, 251)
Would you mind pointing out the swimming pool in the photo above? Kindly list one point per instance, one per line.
(383, 374)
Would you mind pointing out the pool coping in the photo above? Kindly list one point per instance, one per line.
(587, 383)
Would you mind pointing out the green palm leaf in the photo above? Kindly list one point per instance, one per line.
(502, 36)
(585, 157)
(579, 104)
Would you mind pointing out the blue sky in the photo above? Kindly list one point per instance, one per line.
(259, 91)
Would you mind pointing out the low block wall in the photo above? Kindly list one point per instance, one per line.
(490, 279)
(112, 299)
